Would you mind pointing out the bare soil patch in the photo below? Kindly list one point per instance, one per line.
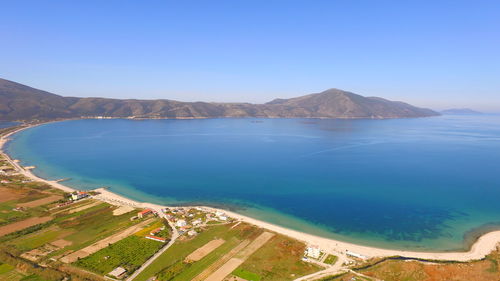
(61, 243)
(213, 267)
(7, 194)
(240, 257)
(13, 227)
(122, 210)
(204, 250)
(85, 207)
(40, 202)
(36, 254)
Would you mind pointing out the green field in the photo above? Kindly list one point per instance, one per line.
(196, 268)
(247, 275)
(7, 215)
(279, 259)
(129, 253)
(331, 259)
(80, 228)
(8, 273)
(38, 239)
(181, 249)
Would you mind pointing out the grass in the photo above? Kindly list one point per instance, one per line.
(197, 267)
(331, 259)
(81, 228)
(181, 249)
(38, 239)
(8, 273)
(170, 272)
(7, 215)
(4, 268)
(91, 225)
(32, 196)
(129, 253)
(247, 275)
(279, 259)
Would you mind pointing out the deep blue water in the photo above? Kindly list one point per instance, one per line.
(407, 183)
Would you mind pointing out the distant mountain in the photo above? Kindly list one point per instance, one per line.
(20, 102)
(336, 103)
(460, 111)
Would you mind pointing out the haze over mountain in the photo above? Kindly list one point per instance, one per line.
(20, 102)
(460, 111)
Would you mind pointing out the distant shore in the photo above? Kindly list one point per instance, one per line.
(482, 246)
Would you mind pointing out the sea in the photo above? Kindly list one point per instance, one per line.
(427, 184)
(7, 124)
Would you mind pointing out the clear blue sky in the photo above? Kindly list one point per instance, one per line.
(437, 54)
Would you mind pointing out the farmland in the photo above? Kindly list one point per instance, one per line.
(129, 253)
(279, 259)
(172, 265)
(36, 227)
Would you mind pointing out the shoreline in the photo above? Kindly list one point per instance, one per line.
(483, 246)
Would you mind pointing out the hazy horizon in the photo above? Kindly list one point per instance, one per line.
(436, 55)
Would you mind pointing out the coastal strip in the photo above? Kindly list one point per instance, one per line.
(482, 247)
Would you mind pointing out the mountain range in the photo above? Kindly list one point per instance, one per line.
(21, 102)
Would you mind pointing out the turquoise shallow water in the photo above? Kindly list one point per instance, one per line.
(411, 183)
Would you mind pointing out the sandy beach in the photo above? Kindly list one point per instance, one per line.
(482, 247)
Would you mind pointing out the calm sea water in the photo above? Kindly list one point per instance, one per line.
(409, 183)
(6, 124)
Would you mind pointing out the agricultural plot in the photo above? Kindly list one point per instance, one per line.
(279, 259)
(129, 253)
(92, 225)
(247, 253)
(9, 273)
(11, 199)
(7, 194)
(40, 238)
(206, 249)
(237, 259)
(245, 275)
(16, 226)
(330, 259)
(103, 243)
(40, 202)
(171, 262)
(67, 230)
(9, 215)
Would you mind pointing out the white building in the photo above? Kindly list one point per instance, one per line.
(118, 272)
(313, 252)
(79, 195)
(181, 223)
(356, 255)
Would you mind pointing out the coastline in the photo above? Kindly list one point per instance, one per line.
(482, 246)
